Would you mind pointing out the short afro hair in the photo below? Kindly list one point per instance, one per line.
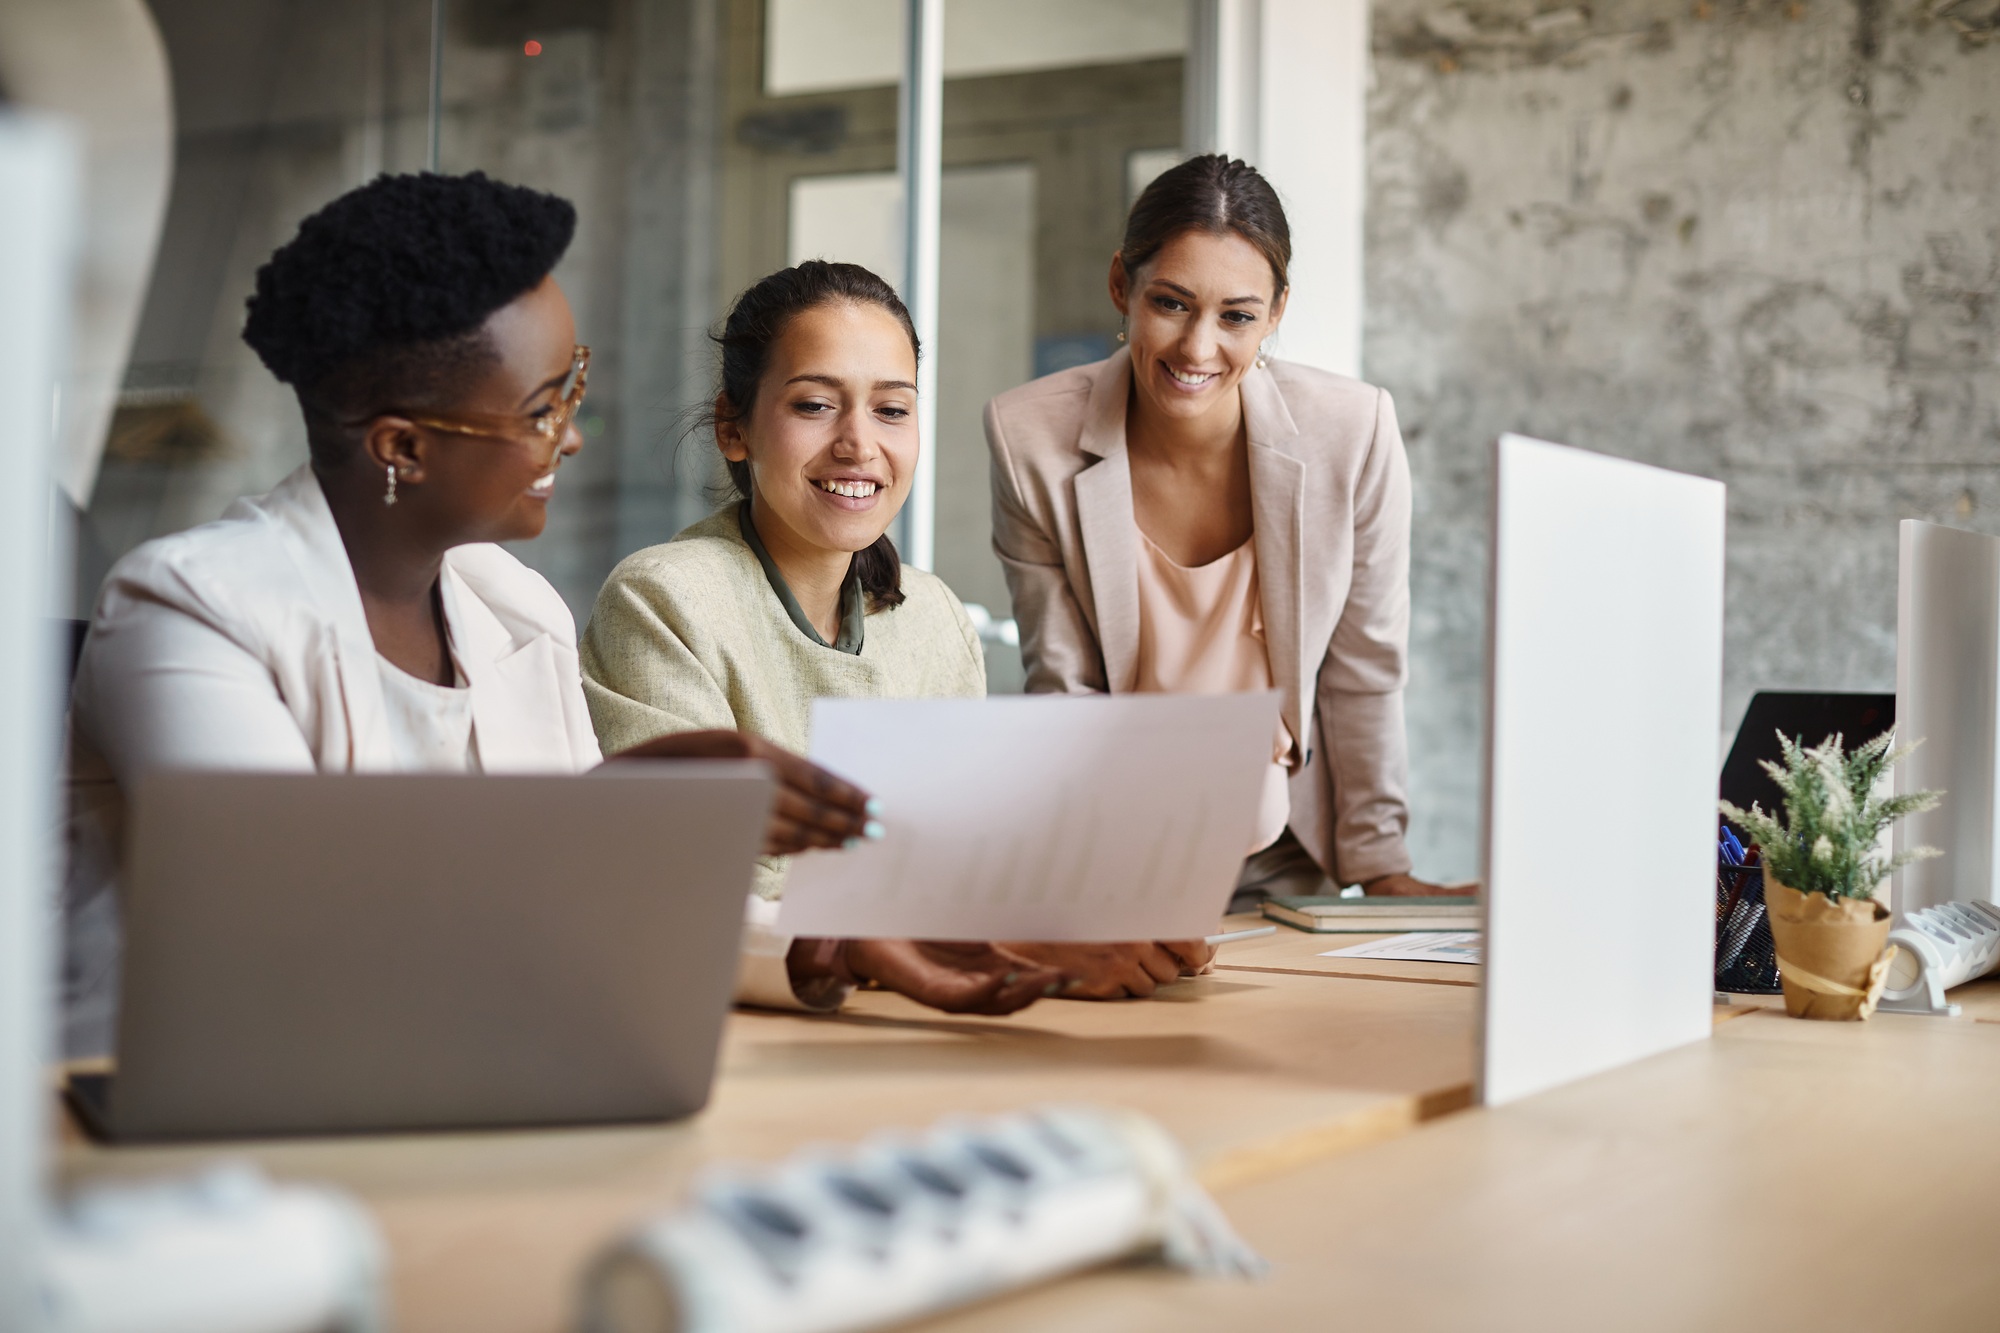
(378, 300)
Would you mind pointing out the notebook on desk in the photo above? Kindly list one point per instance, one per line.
(1374, 916)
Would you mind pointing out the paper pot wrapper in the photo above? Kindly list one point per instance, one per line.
(1833, 954)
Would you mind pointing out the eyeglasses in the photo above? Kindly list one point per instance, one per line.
(551, 427)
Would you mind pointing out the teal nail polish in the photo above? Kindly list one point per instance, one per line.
(874, 829)
(874, 806)
(1012, 977)
(850, 844)
(1054, 988)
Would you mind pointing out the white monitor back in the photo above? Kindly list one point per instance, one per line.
(1947, 677)
(1604, 702)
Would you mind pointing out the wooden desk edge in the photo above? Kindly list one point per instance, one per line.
(1348, 976)
(1280, 1153)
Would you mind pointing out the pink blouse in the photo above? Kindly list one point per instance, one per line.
(1201, 631)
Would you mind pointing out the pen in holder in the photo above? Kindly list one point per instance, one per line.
(1746, 957)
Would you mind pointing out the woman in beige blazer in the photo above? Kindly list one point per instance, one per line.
(1192, 516)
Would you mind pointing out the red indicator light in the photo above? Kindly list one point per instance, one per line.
(531, 48)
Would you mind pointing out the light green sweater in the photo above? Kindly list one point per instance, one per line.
(690, 635)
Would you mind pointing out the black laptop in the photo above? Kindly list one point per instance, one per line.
(1806, 716)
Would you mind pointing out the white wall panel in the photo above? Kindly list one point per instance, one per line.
(1312, 142)
(816, 45)
(1948, 697)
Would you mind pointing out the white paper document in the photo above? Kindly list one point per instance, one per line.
(1432, 946)
(1038, 817)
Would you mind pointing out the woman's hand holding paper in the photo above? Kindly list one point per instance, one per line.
(957, 977)
(1119, 971)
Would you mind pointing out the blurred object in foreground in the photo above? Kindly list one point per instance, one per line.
(1938, 948)
(902, 1227)
(102, 66)
(224, 1252)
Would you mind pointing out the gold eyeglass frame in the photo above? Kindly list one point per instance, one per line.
(552, 428)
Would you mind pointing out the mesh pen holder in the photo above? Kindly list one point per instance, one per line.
(1746, 957)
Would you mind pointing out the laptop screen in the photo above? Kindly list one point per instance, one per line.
(1810, 716)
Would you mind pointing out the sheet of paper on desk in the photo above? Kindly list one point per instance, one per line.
(1445, 946)
(1038, 817)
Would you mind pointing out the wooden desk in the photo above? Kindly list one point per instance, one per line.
(1785, 1175)
(1256, 1072)
(1299, 951)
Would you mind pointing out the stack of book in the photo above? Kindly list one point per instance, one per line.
(1374, 916)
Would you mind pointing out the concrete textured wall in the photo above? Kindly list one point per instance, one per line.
(1757, 241)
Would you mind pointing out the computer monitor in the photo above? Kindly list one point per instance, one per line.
(1604, 697)
(1947, 681)
(1948, 697)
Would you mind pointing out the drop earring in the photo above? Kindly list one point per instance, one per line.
(1263, 358)
(389, 496)
(1121, 329)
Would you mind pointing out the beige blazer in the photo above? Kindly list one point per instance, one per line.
(1330, 496)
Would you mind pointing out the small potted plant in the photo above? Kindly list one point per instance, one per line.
(1823, 864)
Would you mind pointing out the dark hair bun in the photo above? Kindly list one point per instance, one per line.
(403, 260)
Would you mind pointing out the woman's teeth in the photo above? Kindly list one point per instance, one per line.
(1190, 379)
(853, 490)
(543, 485)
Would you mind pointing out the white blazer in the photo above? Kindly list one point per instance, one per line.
(242, 644)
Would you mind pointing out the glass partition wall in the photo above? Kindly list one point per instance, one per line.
(612, 104)
(278, 107)
(1052, 112)
(705, 144)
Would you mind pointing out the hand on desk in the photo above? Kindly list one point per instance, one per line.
(959, 978)
(814, 808)
(1119, 971)
(1409, 886)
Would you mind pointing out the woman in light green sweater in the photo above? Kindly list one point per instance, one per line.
(796, 593)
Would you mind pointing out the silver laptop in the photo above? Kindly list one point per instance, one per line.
(312, 954)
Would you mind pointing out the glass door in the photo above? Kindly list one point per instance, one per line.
(1053, 115)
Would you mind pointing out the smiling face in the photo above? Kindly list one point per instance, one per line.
(831, 439)
(492, 486)
(1196, 313)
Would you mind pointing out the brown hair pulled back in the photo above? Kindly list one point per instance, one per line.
(755, 323)
(1213, 194)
